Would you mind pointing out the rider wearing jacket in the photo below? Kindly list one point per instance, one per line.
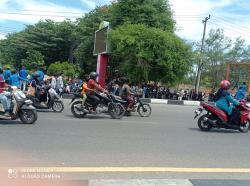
(223, 100)
(93, 85)
(3, 98)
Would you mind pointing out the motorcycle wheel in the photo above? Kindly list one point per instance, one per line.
(58, 106)
(121, 110)
(116, 111)
(245, 127)
(76, 109)
(144, 110)
(28, 116)
(204, 125)
(128, 113)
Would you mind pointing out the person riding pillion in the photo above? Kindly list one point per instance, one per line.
(226, 102)
(85, 89)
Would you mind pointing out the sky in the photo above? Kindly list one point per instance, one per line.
(231, 15)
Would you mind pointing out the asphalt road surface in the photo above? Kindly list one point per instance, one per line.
(168, 145)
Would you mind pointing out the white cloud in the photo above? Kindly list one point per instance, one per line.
(2, 36)
(190, 13)
(40, 11)
(91, 4)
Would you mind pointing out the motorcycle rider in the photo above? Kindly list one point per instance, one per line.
(127, 94)
(39, 92)
(94, 86)
(3, 97)
(223, 100)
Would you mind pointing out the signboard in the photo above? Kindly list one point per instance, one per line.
(101, 45)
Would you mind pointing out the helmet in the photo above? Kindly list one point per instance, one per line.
(35, 75)
(224, 84)
(93, 75)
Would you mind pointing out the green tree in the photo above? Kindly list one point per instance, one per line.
(65, 68)
(218, 51)
(55, 41)
(10, 53)
(34, 59)
(153, 13)
(150, 53)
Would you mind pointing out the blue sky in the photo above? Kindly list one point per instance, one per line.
(231, 15)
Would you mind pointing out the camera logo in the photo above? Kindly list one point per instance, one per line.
(12, 173)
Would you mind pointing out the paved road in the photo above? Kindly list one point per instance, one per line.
(169, 138)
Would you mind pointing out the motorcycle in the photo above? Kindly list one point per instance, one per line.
(52, 99)
(216, 118)
(108, 104)
(20, 107)
(143, 109)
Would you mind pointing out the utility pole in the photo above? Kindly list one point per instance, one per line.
(198, 77)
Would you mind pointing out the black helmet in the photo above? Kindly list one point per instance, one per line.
(93, 75)
(35, 75)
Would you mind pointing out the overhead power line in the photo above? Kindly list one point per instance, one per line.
(233, 23)
(232, 29)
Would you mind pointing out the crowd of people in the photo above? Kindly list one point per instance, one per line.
(159, 92)
(29, 82)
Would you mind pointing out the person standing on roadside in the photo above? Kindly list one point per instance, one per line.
(7, 74)
(23, 76)
(59, 84)
(1, 73)
(15, 79)
(53, 82)
(241, 92)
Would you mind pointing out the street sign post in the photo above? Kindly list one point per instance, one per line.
(101, 50)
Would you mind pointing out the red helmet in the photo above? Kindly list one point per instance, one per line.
(224, 84)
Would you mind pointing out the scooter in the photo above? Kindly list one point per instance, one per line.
(53, 100)
(217, 118)
(20, 107)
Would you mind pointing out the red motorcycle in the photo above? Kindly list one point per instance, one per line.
(217, 118)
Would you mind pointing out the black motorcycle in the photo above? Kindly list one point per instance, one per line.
(144, 109)
(20, 107)
(50, 97)
(108, 104)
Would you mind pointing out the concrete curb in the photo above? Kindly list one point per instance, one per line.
(157, 101)
(171, 102)
(154, 101)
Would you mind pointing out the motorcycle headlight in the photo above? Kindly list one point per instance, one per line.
(28, 102)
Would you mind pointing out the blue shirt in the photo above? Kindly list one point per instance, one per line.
(15, 80)
(241, 92)
(23, 74)
(41, 75)
(7, 74)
